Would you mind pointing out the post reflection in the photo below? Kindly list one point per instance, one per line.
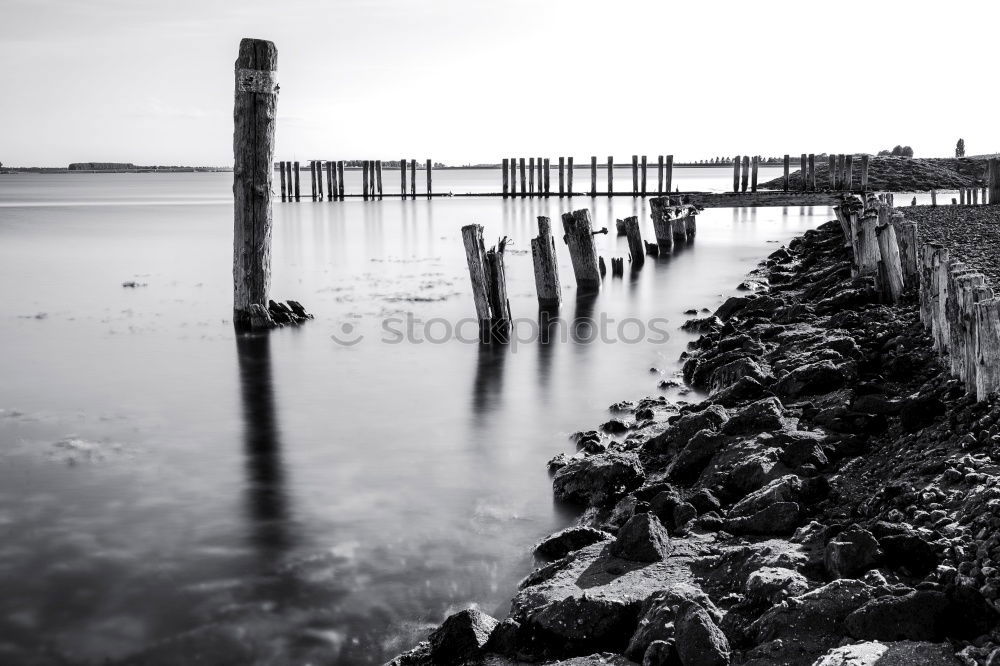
(487, 390)
(266, 502)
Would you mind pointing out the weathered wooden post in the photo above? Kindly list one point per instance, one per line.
(281, 168)
(506, 185)
(378, 175)
(890, 270)
(538, 166)
(848, 173)
(543, 254)
(642, 188)
(746, 173)
(659, 175)
(364, 179)
(736, 174)
(593, 175)
(569, 176)
(340, 179)
(961, 196)
(611, 175)
(531, 176)
(413, 179)
(296, 172)
(635, 175)
(812, 171)
(634, 236)
(513, 177)
(864, 172)
(906, 236)
(659, 211)
(930, 257)
(402, 178)
(312, 178)
(975, 196)
(548, 189)
(562, 169)
(430, 169)
(832, 173)
(784, 181)
(753, 175)
(804, 172)
(987, 354)
(669, 177)
(319, 179)
(839, 173)
(331, 178)
(489, 287)
(524, 179)
(254, 112)
(579, 236)
(867, 244)
(993, 180)
(934, 197)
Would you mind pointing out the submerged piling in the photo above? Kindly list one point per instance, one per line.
(543, 254)
(593, 175)
(579, 237)
(634, 236)
(642, 188)
(611, 175)
(635, 175)
(569, 176)
(669, 176)
(489, 288)
(281, 168)
(253, 158)
(736, 174)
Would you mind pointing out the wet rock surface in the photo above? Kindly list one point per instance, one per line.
(835, 500)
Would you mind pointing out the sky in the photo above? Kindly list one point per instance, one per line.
(469, 81)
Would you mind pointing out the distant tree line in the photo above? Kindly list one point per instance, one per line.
(898, 151)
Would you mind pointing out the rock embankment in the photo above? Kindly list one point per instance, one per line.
(898, 174)
(835, 500)
(971, 233)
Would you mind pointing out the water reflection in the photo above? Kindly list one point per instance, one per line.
(266, 499)
(582, 330)
(487, 390)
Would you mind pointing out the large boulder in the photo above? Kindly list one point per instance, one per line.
(730, 373)
(696, 455)
(461, 637)
(677, 435)
(899, 653)
(583, 624)
(816, 616)
(785, 489)
(778, 518)
(642, 539)
(659, 614)
(812, 378)
(852, 552)
(907, 549)
(766, 414)
(698, 640)
(598, 480)
(772, 585)
(566, 541)
(922, 615)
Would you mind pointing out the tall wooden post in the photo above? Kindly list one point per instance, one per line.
(402, 178)
(296, 171)
(832, 159)
(524, 179)
(812, 171)
(364, 179)
(429, 170)
(548, 188)
(531, 176)
(543, 254)
(746, 173)
(634, 237)
(593, 175)
(804, 171)
(378, 175)
(513, 177)
(538, 166)
(319, 179)
(569, 176)
(580, 239)
(611, 175)
(413, 179)
(254, 113)
(642, 188)
(864, 173)
(331, 176)
(840, 172)
(753, 180)
(635, 175)
(669, 178)
(506, 184)
(281, 168)
(848, 174)
(736, 174)
(784, 181)
(312, 178)
(340, 177)
(659, 175)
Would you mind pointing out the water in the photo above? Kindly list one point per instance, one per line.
(159, 476)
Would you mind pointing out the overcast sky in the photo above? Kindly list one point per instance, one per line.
(468, 81)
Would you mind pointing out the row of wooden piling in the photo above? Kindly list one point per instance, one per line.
(530, 176)
(673, 222)
(371, 180)
(841, 173)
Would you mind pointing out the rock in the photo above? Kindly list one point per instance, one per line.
(702, 325)
(803, 448)
(919, 412)
(599, 659)
(461, 637)
(772, 585)
(698, 640)
(909, 552)
(696, 455)
(756, 470)
(683, 514)
(581, 625)
(661, 653)
(680, 432)
(811, 378)
(614, 426)
(656, 620)
(642, 539)
(598, 480)
(779, 518)
(418, 656)
(565, 541)
(704, 501)
(899, 653)
(732, 305)
(852, 552)
(746, 388)
(726, 375)
(785, 489)
(766, 414)
(814, 618)
(921, 615)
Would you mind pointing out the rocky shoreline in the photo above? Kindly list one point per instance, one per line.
(834, 501)
(899, 174)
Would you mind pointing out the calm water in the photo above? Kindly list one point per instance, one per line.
(159, 476)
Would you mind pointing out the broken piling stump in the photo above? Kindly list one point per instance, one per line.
(579, 237)
(543, 254)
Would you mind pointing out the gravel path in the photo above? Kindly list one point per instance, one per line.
(970, 232)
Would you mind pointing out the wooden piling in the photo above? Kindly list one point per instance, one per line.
(413, 179)
(652, 249)
(378, 175)
(993, 181)
(254, 112)
(961, 196)
(601, 267)
(804, 172)
(659, 212)
(524, 179)
(840, 172)
(746, 173)
(430, 191)
(319, 179)
(543, 254)
(548, 189)
(635, 175)
(364, 179)
(506, 184)
(296, 173)
(513, 177)
(736, 174)
(906, 237)
(538, 166)
(987, 350)
(812, 172)
(890, 269)
(867, 244)
(562, 169)
(864, 172)
(659, 175)
(784, 181)
(975, 196)
(402, 178)
(832, 173)
(340, 179)
(569, 176)
(753, 173)
(531, 176)
(611, 175)
(331, 178)
(593, 175)
(579, 237)
(634, 236)
(489, 288)
(848, 173)
(312, 178)
(669, 176)
(281, 169)
(642, 188)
